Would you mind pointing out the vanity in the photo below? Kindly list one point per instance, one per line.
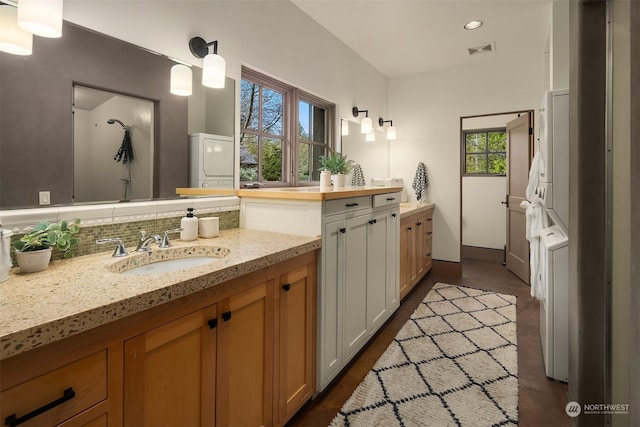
(231, 342)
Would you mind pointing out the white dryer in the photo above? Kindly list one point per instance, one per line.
(211, 160)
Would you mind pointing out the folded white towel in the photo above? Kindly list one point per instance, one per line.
(421, 182)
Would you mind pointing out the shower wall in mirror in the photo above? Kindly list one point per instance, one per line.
(112, 146)
(372, 156)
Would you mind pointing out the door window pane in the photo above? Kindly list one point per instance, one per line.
(476, 142)
(485, 152)
(497, 164)
(476, 163)
(497, 141)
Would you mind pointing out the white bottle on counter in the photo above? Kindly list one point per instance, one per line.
(189, 225)
(325, 180)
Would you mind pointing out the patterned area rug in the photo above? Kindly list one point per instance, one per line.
(455, 362)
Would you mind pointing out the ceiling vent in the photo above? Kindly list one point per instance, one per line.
(483, 48)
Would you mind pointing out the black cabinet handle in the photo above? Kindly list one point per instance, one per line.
(429, 254)
(343, 230)
(350, 205)
(213, 323)
(393, 215)
(420, 223)
(12, 420)
(409, 228)
(390, 199)
(429, 233)
(287, 287)
(430, 219)
(373, 221)
(226, 316)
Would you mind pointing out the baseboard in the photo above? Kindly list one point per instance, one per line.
(446, 270)
(484, 254)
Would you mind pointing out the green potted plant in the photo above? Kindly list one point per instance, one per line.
(33, 250)
(338, 165)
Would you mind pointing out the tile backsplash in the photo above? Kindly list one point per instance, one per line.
(122, 220)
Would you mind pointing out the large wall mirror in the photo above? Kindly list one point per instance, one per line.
(47, 128)
(372, 156)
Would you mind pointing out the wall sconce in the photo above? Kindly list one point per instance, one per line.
(181, 80)
(13, 39)
(370, 137)
(214, 66)
(366, 125)
(39, 17)
(391, 131)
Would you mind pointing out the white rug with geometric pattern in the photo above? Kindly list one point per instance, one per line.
(454, 363)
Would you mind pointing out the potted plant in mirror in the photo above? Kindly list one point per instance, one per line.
(338, 165)
(33, 250)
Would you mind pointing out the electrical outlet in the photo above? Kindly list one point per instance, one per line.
(44, 197)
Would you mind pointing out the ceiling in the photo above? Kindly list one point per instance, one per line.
(403, 37)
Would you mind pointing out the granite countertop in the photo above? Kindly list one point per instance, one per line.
(78, 294)
(314, 193)
(410, 208)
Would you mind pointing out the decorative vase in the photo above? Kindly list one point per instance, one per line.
(338, 180)
(33, 261)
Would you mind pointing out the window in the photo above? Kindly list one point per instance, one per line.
(283, 132)
(485, 152)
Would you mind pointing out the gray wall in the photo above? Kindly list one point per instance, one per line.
(36, 128)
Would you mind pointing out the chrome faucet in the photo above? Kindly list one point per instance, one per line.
(143, 243)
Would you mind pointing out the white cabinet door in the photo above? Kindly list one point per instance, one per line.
(377, 310)
(331, 301)
(355, 285)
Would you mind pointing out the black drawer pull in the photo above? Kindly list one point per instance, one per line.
(393, 215)
(409, 228)
(343, 230)
(429, 219)
(226, 316)
(389, 199)
(373, 221)
(350, 205)
(287, 287)
(420, 223)
(429, 254)
(429, 233)
(12, 420)
(213, 323)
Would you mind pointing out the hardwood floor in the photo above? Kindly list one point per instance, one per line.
(541, 400)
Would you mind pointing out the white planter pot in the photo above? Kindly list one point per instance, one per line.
(33, 261)
(338, 180)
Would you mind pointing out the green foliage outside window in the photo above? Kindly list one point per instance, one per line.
(485, 152)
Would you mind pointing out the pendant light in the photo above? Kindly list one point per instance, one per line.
(366, 124)
(181, 80)
(13, 39)
(391, 131)
(41, 17)
(214, 65)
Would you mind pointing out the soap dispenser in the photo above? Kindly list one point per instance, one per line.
(189, 225)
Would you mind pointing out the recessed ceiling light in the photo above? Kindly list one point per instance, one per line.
(472, 25)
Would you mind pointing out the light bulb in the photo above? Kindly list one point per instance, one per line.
(391, 133)
(213, 71)
(366, 125)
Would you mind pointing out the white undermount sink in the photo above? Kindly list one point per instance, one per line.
(168, 260)
(169, 265)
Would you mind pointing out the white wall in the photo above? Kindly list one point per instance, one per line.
(271, 36)
(428, 108)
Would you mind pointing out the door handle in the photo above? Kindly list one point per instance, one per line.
(226, 316)
(286, 287)
(506, 201)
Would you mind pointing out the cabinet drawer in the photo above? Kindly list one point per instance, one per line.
(345, 205)
(385, 199)
(58, 395)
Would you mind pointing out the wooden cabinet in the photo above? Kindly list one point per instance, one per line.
(170, 373)
(415, 249)
(359, 289)
(296, 326)
(241, 353)
(57, 395)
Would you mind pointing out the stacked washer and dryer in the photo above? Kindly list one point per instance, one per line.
(553, 191)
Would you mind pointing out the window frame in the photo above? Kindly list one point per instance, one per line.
(486, 152)
(290, 121)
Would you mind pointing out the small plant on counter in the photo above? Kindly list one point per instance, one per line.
(336, 163)
(55, 235)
